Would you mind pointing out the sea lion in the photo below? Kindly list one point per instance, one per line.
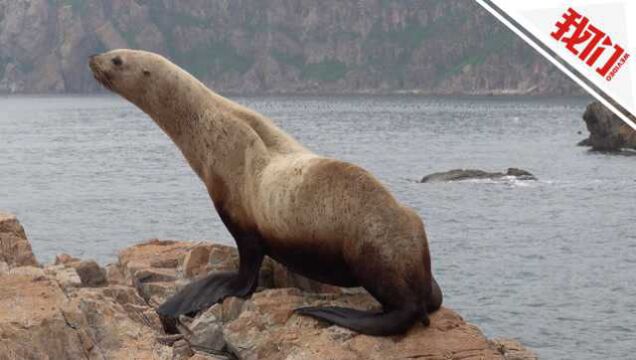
(323, 218)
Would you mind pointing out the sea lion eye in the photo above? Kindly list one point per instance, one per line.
(117, 61)
(146, 72)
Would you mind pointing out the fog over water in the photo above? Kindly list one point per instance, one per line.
(551, 262)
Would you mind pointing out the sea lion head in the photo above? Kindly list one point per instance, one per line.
(134, 74)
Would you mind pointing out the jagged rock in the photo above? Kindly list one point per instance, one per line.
(222, 258)
(91, 273)
(67, 277)
(120, 331)
(63, 259)
(73, 272)
(206, 333)
(268, 329)
(47, 314)
(182, 350)
(471, 174)
(199, 356)
(513, 350)
(231, 308)
(36, 273)
(114, 275)
(34, 321)
(157, 254)
(607, 131)
(196, 261)
(156, 293)
(15, 249)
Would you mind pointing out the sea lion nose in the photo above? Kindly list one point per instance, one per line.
(92, 61)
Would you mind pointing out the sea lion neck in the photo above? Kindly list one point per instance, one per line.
(214, 134)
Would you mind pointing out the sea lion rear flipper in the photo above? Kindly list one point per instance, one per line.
(379, 324)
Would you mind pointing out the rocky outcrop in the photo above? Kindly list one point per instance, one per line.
(15, 249)
(55, 313)
(607, 131)
(277, 46)
(471, 174)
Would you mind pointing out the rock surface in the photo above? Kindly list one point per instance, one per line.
(44, 315)
(607, 131)
(471, 174)
(277, 46)
(15, 249)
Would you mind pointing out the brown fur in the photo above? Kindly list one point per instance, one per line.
(324, 218)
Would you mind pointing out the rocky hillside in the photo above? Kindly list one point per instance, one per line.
(277, 46)
(74, 309)
(607, 131)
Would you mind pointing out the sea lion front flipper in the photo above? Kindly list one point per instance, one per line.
(196, 296)
(379, 324)
(213, 288)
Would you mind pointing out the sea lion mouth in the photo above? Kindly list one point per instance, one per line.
(101, 76)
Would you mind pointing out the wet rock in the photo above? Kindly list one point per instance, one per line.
(607, 131)
(472, 174)
(15, 249)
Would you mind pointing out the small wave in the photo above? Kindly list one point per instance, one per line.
(505, 180)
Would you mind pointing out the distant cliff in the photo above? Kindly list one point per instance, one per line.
(277, 46)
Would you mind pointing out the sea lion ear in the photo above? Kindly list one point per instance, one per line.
(146, 72)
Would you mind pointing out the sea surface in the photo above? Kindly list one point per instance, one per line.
(552, 262)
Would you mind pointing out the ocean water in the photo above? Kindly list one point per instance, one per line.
(552, 262)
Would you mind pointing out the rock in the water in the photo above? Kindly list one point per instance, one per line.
(472, 174)
(15, 249)
(607, 131)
